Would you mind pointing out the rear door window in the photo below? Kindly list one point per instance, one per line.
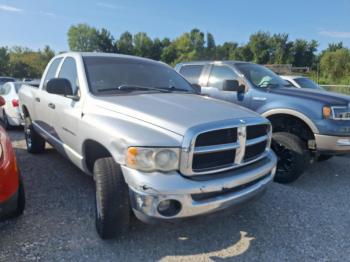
(192, 73)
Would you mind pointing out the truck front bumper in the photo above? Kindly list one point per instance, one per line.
(332, 144)
(159, 196)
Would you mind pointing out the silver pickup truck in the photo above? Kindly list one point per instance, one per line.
(151, 143)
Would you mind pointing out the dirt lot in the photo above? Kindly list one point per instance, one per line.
(308, 220)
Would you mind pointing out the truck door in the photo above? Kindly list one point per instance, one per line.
(44, 114)
(214, 87)
(68, 112)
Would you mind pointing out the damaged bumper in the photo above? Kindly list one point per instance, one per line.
(169, 196)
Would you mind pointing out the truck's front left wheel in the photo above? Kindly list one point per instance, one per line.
(112, 199)
(35, 143)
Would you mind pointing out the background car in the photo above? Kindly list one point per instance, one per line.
(301, 82)
(12, 197)
(5, 79)
(10, 112)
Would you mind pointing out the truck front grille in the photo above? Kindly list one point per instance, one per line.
(226, 148)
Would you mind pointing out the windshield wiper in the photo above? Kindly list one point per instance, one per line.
(130, 88)
(173, 88)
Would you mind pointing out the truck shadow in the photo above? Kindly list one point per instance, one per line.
(60, 209)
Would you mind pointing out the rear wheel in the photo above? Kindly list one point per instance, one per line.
(35, 143)
(6, 121)
(20, 204)
(112, 207)
(292, 156)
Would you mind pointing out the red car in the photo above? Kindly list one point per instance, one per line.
(12, 198)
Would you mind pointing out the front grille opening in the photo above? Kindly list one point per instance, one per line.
(226, 191)
(257, 131)
(217, 137)
(215, 160)
(254, 151)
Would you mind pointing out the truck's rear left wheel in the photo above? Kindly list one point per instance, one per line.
(112, 207)
(35, 143)
(292, 157)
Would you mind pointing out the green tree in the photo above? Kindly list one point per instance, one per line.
(260, 46)
(4, 61)
(124, 45)
(143, 45)
(335, 65)
(82, 37)
(304, 52)
(105, 41)
(280, 49)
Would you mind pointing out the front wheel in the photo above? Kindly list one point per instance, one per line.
(35, 143)
(292, 156)
(112, 207)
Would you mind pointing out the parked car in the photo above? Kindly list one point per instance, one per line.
(306, 123)
(5, 79)
(12, 198)
(301, 82)
(10, 112)
(151, 143)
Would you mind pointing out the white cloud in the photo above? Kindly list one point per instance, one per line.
(335, 34)
(8, 8)
(49, 14)
(107, 5)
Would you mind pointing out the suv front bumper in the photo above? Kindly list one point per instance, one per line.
(196, 196)
(332, 144)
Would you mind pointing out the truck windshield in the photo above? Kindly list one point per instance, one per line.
(260, 76)
(121, 75)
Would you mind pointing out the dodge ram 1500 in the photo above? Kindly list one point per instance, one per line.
(151, 143)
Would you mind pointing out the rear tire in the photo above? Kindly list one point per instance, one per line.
(6, 121)
(35, 143)
(292, 154)
(323, 158)
(112, 205)
(20, 204)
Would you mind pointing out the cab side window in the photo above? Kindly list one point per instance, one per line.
(219, 74)
(69, 71)
(192, 73)
(51, 72)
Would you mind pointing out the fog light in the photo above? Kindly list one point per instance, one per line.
(169, 207)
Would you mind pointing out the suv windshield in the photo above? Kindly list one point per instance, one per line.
(121, 75)
(305, 82)
(260, 76)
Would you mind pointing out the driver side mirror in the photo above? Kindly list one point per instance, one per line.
(2, 101)
(233, 85)
(61, 86)
(197, 88)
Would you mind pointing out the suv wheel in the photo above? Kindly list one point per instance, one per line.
(35, 143)
(112, 209)
(292, 157)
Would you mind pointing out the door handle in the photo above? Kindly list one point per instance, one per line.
(37, 99)
(52, 105)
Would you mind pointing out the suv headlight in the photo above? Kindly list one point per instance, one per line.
(336, 112)
(152, 159)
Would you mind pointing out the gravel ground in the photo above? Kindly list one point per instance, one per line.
(306, 221)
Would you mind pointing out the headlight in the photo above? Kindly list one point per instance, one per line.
(336, 112)
(151, 159)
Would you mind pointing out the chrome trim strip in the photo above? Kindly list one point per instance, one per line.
(215, 148)
(242, 139)
(257, 140)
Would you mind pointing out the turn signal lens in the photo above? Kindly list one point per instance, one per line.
(327, 112)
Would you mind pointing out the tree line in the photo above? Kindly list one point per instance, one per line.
(331, 65)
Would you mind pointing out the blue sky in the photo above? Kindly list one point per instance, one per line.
(46, 22)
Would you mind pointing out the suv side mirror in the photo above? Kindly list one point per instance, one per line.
(2, 101)
(59, 86)
(233, 85)
(197, 88)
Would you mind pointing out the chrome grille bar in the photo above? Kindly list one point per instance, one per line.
(215, 148)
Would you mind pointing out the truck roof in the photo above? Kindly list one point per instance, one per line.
(214, 61)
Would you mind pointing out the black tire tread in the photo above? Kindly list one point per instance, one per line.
(38, 142)
(295, 144)
(114, 199)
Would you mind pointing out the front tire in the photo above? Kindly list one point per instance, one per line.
(35, 143)
(292, 157)
(112, 209)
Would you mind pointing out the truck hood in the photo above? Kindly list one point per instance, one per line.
(174, 111)
(324, 97)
